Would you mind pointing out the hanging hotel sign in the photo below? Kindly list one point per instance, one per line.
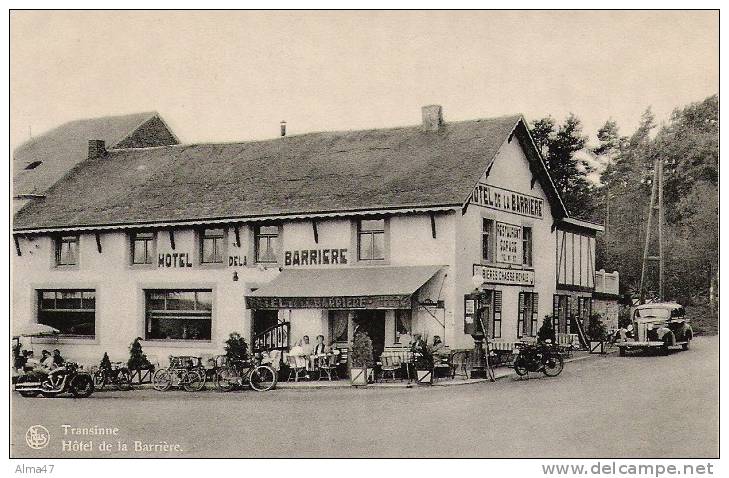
(349, 302)
(497, 275)
(505, 200)
(508, 244)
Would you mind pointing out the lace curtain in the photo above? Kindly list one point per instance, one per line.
(339, 326)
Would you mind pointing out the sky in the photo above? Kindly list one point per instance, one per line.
(233, 76)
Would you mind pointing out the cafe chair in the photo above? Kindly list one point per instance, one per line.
(390, 364)
(459, 362)
(328, 366)
(296, 367)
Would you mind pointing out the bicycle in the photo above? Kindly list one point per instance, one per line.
(117, 375)
(232, 373)
(182, 372)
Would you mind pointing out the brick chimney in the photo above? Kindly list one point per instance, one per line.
(432, 117)
(97, 148)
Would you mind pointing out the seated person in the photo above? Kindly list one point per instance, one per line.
(57, 359)
(301, 351)
(417, 345)
(439, 350)
(40, 369)
(320, 348)
(306, 345)
(46, 359)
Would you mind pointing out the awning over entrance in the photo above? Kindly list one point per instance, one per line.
(342, 288)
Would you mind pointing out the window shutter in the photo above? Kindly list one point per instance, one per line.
(570, 314)
(535, 313)
(496, 329)
(520, 321)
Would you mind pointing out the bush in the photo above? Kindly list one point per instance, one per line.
(236, 347)
(137, 359)
(597, 329)
(105, 363)
(424, 359)
(361, 354)
(546, 331)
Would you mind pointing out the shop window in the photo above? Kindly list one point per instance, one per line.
(338, 326)
(403, 324)
(266, 242)
(143, 245)
(67, 250)
(71, 311)
(371, 240)
(178, 314)
(526, 239)
(487, 240)
(212, 246)
(528, 314)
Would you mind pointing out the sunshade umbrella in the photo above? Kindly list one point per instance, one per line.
(35, 330)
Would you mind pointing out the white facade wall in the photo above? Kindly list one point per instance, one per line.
(120, 286)
(510, 171)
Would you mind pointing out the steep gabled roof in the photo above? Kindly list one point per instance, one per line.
(309, 173)
(41, 161)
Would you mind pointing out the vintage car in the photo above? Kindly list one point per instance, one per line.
(659, 326)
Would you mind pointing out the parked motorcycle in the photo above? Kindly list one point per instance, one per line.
(539, 357)
(68, 379)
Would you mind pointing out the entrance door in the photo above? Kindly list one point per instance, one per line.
(372, 322)
(264, 320)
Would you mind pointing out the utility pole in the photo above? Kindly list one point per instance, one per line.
(656, 203)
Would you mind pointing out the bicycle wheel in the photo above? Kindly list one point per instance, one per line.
(203, 375)
(553, 365)
(162, 380)
(192, 381)
(124, 380)
(99, 380)
(226, 378)
(520, 366)
(263, 378)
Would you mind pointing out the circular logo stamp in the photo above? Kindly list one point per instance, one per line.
(37, 437)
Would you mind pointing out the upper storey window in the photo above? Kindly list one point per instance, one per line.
(371, 240)
(67, 250)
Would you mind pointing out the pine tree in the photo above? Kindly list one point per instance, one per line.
(105, 363)
(236, 347)
(137, 359)
(558, 146)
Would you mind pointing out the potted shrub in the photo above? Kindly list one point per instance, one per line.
(360, 358)
(597, 334)
(424, 360)
(138, 363)
(236, 347)
(546, 331)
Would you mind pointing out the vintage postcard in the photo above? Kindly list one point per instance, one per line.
(386, 234)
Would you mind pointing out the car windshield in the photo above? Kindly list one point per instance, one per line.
(659, 313)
